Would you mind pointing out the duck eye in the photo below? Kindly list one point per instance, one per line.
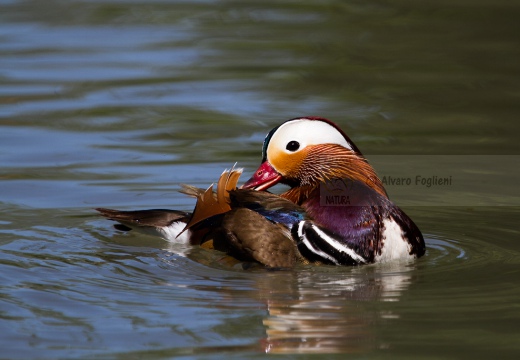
(293, 145)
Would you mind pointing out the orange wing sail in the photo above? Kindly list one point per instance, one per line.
(210, 204)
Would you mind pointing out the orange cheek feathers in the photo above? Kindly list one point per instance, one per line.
(288, 165)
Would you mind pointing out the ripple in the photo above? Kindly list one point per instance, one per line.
(441, 250)
(445, 254)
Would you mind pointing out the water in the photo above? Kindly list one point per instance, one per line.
(114, 103)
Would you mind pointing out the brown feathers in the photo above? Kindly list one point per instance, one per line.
(153, 218)
(249, 236)
(325, 162)
(210, 204)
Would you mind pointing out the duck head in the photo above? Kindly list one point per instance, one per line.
(304, 152)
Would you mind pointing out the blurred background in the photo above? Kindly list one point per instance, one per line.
(113, 103)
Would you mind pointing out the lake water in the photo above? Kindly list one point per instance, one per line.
(115, 103)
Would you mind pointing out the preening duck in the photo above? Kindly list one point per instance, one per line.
(335, 212)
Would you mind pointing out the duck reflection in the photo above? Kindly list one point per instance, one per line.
(319, 309)
(329, 312)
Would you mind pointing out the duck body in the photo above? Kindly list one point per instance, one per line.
(369, 228)
(255, 226)
(335, 212)
(258, 228)
(321, 165)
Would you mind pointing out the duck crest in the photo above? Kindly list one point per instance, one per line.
(210, 203)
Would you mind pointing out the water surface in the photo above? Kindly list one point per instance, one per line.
(114, 103)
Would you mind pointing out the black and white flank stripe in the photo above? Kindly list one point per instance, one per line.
(319, 244)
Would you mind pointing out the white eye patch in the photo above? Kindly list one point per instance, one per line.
(295, 135)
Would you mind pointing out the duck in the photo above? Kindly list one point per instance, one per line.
(335, 212)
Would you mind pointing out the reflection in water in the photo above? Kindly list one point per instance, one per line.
(322, 309)
(328, 312)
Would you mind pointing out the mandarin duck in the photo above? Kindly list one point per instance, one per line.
(336, 211)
